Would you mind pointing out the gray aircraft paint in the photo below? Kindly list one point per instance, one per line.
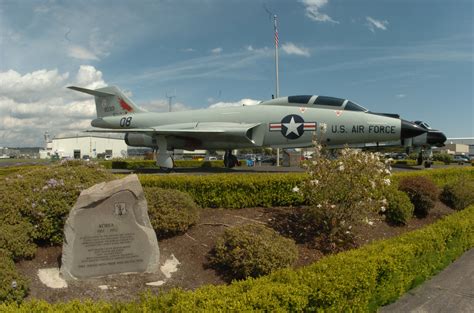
(273, 123)
(341, 126)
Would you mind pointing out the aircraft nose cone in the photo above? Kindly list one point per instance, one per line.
(410, 130)
(435, 138)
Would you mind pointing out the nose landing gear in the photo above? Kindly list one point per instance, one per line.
(230, 160)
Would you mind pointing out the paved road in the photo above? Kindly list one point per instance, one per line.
(452, 290)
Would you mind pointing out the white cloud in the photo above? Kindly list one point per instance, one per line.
(373, 24)
(188, 50)
(313, 8)
(234, 104)
(81, 53)
(291, 48)
(401, 96)
(39, 101)
(217, 50)
(89, 77)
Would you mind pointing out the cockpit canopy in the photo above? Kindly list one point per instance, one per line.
(325, 102)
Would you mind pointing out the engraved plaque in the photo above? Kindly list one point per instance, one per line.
(108, 232)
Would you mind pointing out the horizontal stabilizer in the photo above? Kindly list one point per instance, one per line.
(92, 92)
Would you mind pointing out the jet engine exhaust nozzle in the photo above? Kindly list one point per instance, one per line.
(410, 130)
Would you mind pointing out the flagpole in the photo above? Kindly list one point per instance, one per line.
(277, 83)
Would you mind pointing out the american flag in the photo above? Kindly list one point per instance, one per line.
(276, 37)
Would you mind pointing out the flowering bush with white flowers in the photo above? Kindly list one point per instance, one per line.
(352, 179)
(341, 188)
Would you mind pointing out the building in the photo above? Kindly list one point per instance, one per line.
(79, 145)
(464, 146)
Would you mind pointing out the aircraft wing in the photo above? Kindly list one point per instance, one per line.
(238, 132)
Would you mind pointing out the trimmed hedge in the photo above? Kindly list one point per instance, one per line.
(233, 190)
(440, 177)
(266, 190)
(136, 164)
(356, 280)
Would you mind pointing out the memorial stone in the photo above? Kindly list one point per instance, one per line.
(108, 231)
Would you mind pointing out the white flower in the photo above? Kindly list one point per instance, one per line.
(384, 201)
(387, 171)
(296, 189)
(319, 206)
(382, 209)
(341, 168)
(323, 127)
(372, 184)
(314, 182)
(367, 221)
(333, 206)
(386, 181)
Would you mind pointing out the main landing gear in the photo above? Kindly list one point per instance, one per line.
(230, 160)
(163, 160)
(425, 157)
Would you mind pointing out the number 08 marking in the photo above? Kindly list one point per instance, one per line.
(125, 121)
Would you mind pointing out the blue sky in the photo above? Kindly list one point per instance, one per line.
(412, 57)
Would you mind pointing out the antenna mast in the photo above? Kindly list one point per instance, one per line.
(170, 99)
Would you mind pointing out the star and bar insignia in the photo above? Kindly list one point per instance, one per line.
(293, 126)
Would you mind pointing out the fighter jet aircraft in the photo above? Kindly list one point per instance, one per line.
(286, 122)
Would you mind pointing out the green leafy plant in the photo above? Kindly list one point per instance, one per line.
(458, 194)
(43, 196)
(171, 211)
(398, 208)
(252, 250)
(443, 157)
(341, 189)
(422, 191)
(13, 287)
(357, 280)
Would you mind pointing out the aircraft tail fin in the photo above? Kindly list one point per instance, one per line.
(110, 101)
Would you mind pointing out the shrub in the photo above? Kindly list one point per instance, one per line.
(422, 191)
(13, 287)
(446, 158)
(252, 250)
(399, 208)
(44, 196)
(171, 211)
(459, 194)
(341, 190)
(16, 238)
